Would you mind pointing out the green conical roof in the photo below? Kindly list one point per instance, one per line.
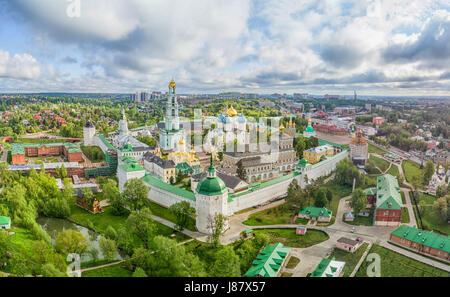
(310, 129)
(211, 185)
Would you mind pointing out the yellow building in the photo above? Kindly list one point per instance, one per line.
(314, 155)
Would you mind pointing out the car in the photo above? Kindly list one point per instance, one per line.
(352, 230)
(359, 239)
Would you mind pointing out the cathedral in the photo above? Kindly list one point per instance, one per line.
(170, 136)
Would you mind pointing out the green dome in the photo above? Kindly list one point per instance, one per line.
(303, 162)
(211, 186)
(310, 129)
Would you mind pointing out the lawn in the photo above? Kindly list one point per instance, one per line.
(432, 222)
(94, 153)
(110, 271)
(290, 239)
(380, 163)
(393, 170)
(22, 237)
(411, 169)
(45, 160)
(403, 197)
(100, 223)
(405, 215)
(375, 149)
(282, 214)
(165, 213)
(361, 221)
(394, 264)
(429, 199)
(293, 262)
(350, 259)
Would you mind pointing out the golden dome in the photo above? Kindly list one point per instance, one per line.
(231, 111)
(282, 127)
(309, 120)
(181, 142)
(172, 84)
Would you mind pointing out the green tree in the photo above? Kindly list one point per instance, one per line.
(216, 226)
(135, 193)
(71, 241)
(139, 272)
(320, 198)
(358, 201)
(142, 225)
(116, 201)
(227, 263)
(183, 213)
(428, 172)
(240, 171)
(108, 247)
(93, 252)
(441, 208)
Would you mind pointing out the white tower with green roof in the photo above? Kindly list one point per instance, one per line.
(211, 198)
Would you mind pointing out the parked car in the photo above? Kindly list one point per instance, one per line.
(352, 230)
(359, 239)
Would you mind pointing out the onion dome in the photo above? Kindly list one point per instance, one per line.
(211, 185)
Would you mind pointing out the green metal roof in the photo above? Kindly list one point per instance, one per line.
(5, 220)
(309, 129)
(370, 191)
(269, 261)
(388, 193)
(211, 186)
(105, 142)
(315, 212)
(320, 269)
(127, 148)
(19, 148)
(426, 238)
(156, 182)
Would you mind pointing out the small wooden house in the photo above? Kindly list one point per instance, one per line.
(247, 234)
(301, 230)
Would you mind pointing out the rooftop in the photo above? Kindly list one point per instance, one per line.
(426, 238)
(388, 193)
(269, 261)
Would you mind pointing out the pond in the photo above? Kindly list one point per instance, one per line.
(55, 226)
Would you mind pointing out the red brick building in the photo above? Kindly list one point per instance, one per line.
(330, 129)
(69, 150)
(424, 242)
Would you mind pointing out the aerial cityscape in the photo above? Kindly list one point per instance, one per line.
(222, 139)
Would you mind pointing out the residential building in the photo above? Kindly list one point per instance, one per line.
(329, 268)
(163, 169)
(388, 206)
(5, 223)
(425, 242)
(320, 214)
(316, 154)
(270, 261)
(347, 244)
(41, 150)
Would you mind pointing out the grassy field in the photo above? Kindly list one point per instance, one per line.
(22, 237)
(100, 222)
(290, 239)
(403, 197)
(393, 170)
(361, 221)
(45, 160)
(432, 222)
(425, 197)
(350, 259)
(293, 262)
(376, 150)
(405, 215)
(163, 212)
(411, 169)
(380, 163)
(94, 153)
(282, 214)
(110, 271)
(396, 265)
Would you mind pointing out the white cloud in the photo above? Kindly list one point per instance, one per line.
(21, 66)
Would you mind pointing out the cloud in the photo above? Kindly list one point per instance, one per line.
(19, 66)
(431, 48)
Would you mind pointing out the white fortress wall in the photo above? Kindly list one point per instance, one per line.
(165, 198)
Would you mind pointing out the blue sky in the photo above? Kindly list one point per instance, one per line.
(375, 47)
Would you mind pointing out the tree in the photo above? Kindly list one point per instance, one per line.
(428, 172)
(142, 225)
(49, 270)
(139, 272)
(183, 213)
(329, 195)
(320, 198)
(217, 225)
(240, 171)
(135, 193)
(227, 263)
(108, 247)
(124, 240)
(358, 201)
(112, 193)
(442, 208)
(71, 241)
(293, 192)
(93, 252)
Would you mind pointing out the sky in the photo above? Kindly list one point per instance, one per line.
(373, 47)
